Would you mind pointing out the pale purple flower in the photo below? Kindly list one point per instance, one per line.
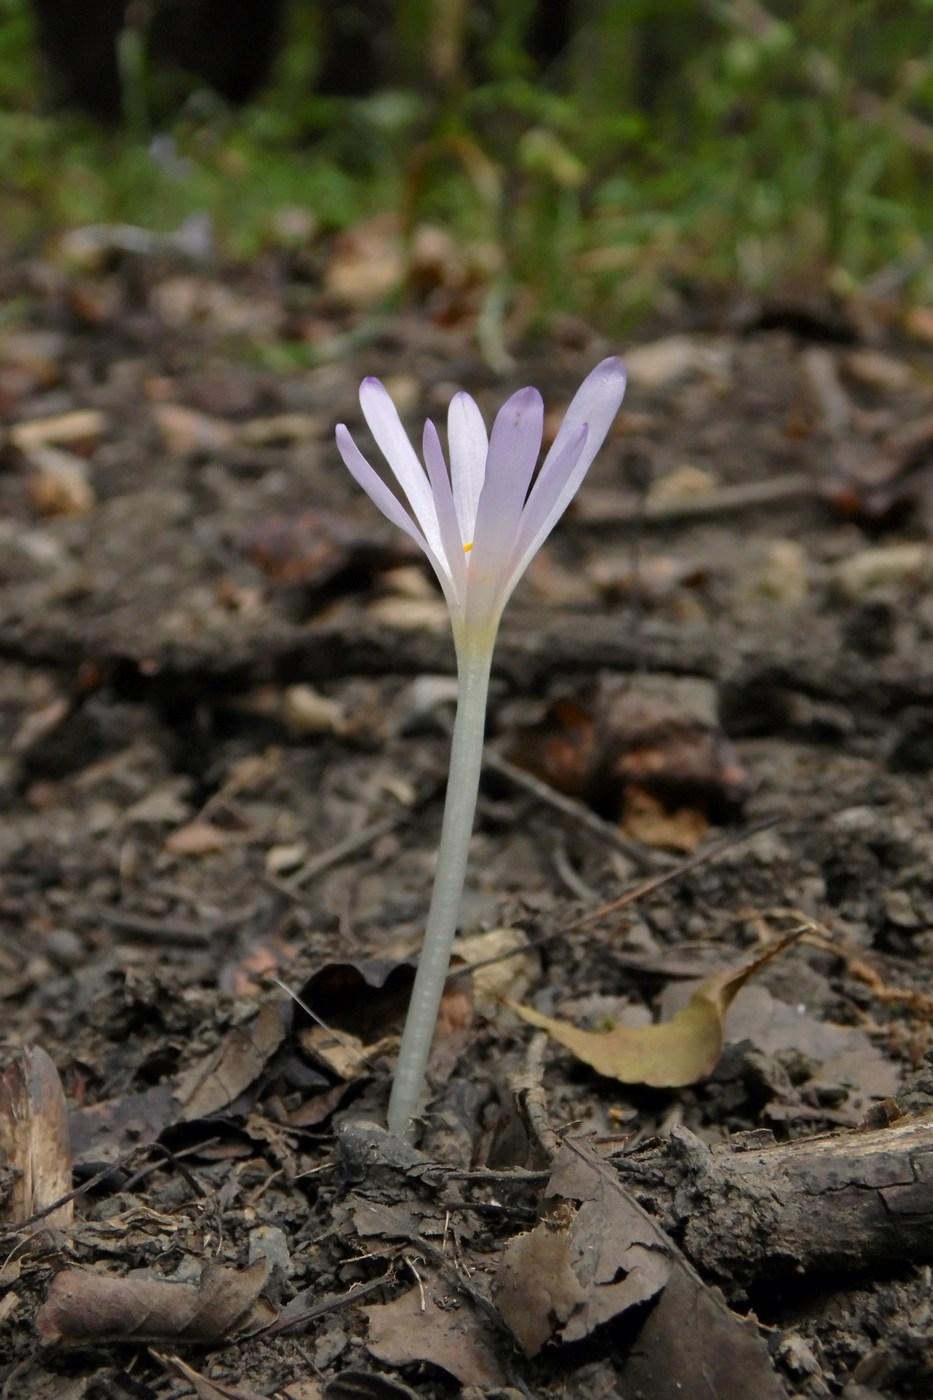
(482, 524)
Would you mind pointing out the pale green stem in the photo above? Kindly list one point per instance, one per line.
(466, 759)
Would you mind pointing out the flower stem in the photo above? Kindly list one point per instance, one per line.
(466, 759)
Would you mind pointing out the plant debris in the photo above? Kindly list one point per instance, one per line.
(667, 1056)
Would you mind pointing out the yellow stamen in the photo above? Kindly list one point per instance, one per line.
(468, 547)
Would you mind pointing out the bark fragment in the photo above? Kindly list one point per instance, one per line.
(764, 1211)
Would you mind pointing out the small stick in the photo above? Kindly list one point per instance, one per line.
(176, 931)
(617, 508)
(324, 861)
(528, 1088)
(570, 808)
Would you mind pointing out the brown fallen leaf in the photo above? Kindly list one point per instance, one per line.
(367, 1385)
(426, 1324)
(34, 1140)
(367, 262)
(280, 430)
(592, 1258)
(690, 1343)
(666, 1056)
(537, 1289)
(236, 1063)
(107, 1130)
(367, 999)
(85, 1307)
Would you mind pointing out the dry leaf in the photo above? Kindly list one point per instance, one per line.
(592, 1258)
(343, 1054)
(505, 965)
(236, 1064)
(34, 1140)
(693, 1345)
(86, 1307)
(106, 1131)
(647, 820)
(280, 430)
(198, 838)
(666, 1056)
(537, 1289)
(428, 1324)
(690, 1343)
(317, 547)
(628, 742)
(367, 263)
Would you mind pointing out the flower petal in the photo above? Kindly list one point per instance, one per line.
(382, 497)
(451, 538)
(513, 453)
(595, 404)
(543, 508)
(469, 447)
(386, 427)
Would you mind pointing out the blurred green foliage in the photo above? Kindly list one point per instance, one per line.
(669, 144)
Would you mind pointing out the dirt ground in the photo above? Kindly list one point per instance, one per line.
(225, 696)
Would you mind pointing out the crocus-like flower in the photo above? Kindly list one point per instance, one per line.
(480, 527)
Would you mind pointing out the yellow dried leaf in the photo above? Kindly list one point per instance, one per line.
(667, 1056)
(648, 821)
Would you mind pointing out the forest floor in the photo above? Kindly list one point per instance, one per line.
(225, 697)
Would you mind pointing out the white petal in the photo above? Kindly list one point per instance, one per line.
(594, 406)
(469, 446)
(444, 504)
(595, 403)
(513, 453)
(386, 427)
(545, 506)
(381, 496)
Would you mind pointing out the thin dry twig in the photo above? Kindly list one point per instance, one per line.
(630, 896)
(575, 812)
(616, 508)
(325, 860)
(528, 1089)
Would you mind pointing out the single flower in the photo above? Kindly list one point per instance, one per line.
(480, 526)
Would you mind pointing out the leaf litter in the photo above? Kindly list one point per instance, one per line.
(670, 1055)
(197, 1119)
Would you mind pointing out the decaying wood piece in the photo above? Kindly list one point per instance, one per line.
(532, 649)
(34, 1142)
(759, 1210)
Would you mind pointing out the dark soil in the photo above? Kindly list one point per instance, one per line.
(224, 747)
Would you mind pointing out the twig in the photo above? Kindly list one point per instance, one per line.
(286, 1322)
(620, 508)
(177, 931)
(325, 860)
(629, 897)
(528, 1088)
(568, 807)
